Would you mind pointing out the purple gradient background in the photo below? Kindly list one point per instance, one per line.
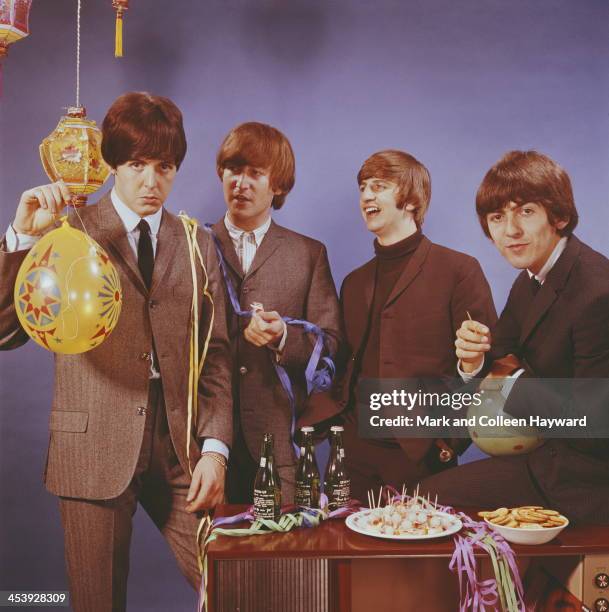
(454, 83)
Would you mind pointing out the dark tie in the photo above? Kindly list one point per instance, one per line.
(145, 254)
(535, 285)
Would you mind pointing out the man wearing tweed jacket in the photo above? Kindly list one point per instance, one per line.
(119, 418)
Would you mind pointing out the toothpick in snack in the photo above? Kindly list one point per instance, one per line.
(436, 502)
(468, 315)
(380, 494)
(403, 491)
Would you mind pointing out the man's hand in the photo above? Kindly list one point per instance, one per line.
(207, 486)
(39, 207)
(264, 328)
(473, 340)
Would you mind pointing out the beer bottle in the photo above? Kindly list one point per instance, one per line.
(337, 485)
(267, 486)
(307, 474)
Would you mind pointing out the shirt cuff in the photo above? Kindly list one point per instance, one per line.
(469, 376)
(212, 445)
(19, 242)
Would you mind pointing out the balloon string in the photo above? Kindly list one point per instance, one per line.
(78, 55)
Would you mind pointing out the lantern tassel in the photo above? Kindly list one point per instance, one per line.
(118, 38)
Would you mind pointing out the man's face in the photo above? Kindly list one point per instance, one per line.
(144, 184)
(248, 195)
(378, 201)
(523, 234)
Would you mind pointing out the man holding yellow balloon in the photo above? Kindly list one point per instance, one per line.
(123, 426)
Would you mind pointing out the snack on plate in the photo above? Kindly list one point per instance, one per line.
(524, 517)
(416, 516)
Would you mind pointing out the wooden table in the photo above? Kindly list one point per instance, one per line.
(332, 540)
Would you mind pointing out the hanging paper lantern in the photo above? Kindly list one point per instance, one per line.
(14, 16)
(120, 6)
(68, 294)
(73, 153)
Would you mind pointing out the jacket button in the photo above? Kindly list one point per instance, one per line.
(144, 356)
(243, 370)
(245, 290)
(141, 411)
(153, 303)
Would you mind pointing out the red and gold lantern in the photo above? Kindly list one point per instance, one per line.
(120, 6)
(72, 152)
(14, 15)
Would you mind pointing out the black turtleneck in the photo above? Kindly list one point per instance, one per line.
(390, 263)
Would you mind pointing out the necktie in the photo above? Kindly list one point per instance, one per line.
(247, 250)
(535, 285)
(145, 254)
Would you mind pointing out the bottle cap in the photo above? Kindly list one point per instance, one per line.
(307, 429)
(337, 428)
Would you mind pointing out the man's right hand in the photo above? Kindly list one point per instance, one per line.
(39, 207)
(473, 340)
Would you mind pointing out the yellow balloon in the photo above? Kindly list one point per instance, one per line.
(68, 294)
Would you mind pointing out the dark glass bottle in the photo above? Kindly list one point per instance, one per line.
(307, 473)
(267, 486)
(337, 484)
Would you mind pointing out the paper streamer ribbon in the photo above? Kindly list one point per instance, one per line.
(196, 362)
(317, 378)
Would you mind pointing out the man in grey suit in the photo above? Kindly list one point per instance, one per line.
(119, 432)
(287, 275)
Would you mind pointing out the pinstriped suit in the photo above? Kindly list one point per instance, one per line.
(115, 436)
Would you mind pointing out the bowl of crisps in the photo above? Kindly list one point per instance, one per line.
(526, 524)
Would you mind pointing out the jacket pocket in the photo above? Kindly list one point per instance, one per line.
(64, 420)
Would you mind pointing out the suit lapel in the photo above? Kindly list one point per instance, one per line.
(114, 235)
(228, 249)
(411, 270)
(552, 286)
(270, 243)
(169, 233)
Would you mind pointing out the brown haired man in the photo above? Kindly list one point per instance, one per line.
(555, 325)
(400, 312)
(119, 419)
(287, 275)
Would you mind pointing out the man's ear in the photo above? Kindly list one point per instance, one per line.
(560, 225)
(410, 208)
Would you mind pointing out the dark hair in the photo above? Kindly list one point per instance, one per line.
(410, 175)
(263, 146)
(523, 177)
(140, 125)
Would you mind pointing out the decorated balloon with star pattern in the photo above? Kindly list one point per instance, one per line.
(67, 294)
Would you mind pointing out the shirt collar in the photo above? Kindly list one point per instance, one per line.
(236, 232)
(130, 218)
(545, 270)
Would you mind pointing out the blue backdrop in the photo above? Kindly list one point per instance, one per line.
(454, 83)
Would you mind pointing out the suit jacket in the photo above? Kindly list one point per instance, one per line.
(290, 274)
(563, 332)
(97, 422)
(427, 305)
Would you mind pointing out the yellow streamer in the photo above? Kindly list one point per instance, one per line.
(118, 35)
(196, 361)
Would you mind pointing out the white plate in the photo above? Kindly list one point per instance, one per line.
(352, 522)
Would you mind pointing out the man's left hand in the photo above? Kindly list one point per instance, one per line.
(207, 486)
(264, 328)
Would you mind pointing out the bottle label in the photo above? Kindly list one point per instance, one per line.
(307, 494)
(264, 504)
(342, 453)
(339, 494)
(262, 461)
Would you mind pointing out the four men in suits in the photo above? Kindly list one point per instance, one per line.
(119, 431)
(400, 312)
(287, 275)
(555, 325)
(118, 424)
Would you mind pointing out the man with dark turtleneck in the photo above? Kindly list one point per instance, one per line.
(400, 311)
